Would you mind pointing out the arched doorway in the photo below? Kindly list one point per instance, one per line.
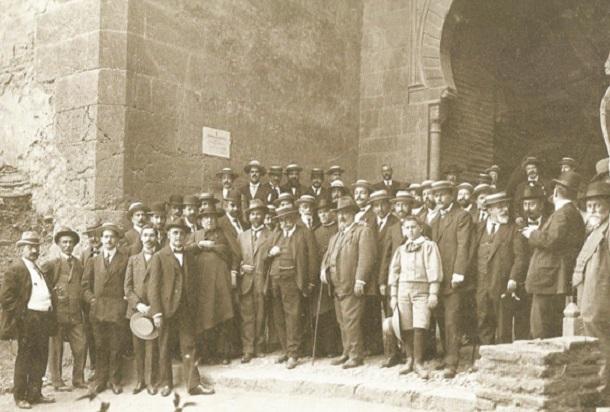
(529, 78)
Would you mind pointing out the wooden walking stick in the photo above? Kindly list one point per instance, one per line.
(315, 331)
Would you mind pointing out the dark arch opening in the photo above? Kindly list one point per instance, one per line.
(529, 78)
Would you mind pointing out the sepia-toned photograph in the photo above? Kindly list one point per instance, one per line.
(305, 205)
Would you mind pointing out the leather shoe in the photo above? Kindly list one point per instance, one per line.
(139, 388)
(389, 362)
(23, 404)
(201, 390)
(151, 390)
(116, 389)
(166, 390)
(44, 399)
(281, 359)
(449, 373)
(246, 358)
(421, 371)
(292, 363)
(352, 363)
(339, 361)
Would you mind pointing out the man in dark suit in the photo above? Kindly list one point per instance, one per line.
(316, 189)
(172, 293)
(103, 289)
(388, 184)
(500, 263)
(347, 268)
(136, 283)
(158, 218)
(227, 178)
(175, 205)
(27, 315)
(452, 231)
(138, 215)
(361, 193)
(481, 191)
(65, 273)
(254, 189)
(291, 276)
(190, 213)
(465, 200)
(275, 174)
(531, 168)
(293, 184)
(555, 247)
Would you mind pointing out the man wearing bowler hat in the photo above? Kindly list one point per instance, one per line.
(227, 177)
(293, 184)
(316, 189)
(555, 246)
(158, 218)
(347, 268)
(138, 215)
(254, 189)
(452, 231)
(27, 315)
(65, 273)
(103, 289)
(175, 206)
(190, 213)
(136, 283)
(172, 293)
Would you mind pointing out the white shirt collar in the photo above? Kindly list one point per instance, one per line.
(559, 203)
(32, 266)
(66, 257)
(109, 253)
(291, 231)
(388, 182)
(137, 229)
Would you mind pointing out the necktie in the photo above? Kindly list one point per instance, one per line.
(106, 259)
(236, 223)
(492, 229)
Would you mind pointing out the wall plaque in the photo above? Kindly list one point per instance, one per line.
(216, 142)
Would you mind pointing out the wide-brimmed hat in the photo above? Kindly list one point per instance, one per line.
(210, 210)
(570, 180)
(391, 325)
(530, 160)
(598, 188)
(306, 199)
(207, 197)
(136, 207)
(143, 327)
(176, 223)
(276, 170)
(316, 171)
(495, 198)
(176, 200)
(568, 161)
(285, 211)
(255, 163)
(533, 192)
(29, 237)
(66, 231)
(362, 183)
(402, 196)
(157, 208)
(346, 202)
(227, 171)
(335, 169)
(379, 195)
(233, 196)
(257, 204)
(293, 166)
(465, 185)
(118, 230)
(482, 188)
(442, 185)
(191, 200)
(284, 196)
(93, 226)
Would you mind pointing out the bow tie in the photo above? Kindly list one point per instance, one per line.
(412, 246)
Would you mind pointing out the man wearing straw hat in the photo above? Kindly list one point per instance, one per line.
(65, 273)
(254, 189)
(103, 289)
(293, 184)
(347, 267)
(362, 191)
(334, 173)
(227, 176)
(28, 316)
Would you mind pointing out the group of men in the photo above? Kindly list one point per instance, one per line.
(220, 275)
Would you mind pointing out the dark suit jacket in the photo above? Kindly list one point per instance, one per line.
(169, 283)
(136, 282)
(396, 186)
(507, 259)
(253, 254)
(68, 302)
(369, 218)
(272, 194)
(324, 192)
(555, 247)
(452, 233)
(231, 235)
(387, 238)
(106, 286)
(263, 193)
(300, 190)
(14, 296)
(303, 257)
(133, 243)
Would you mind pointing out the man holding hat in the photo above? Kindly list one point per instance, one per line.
(592, 272)
(387, 183)
(138, 215)
(316, 189)
(362, 190)
(291, 274)
(274, 183)
(175, 206)
(452, 231)
(555, 246)
(158, 218)
(347, 268)
(227, 176)
(103, 289)
(254, 189)
(254, 246)
(146, 348)
(65, 274)
(28, 316)
(500, 262)
(334, 173)
(172, 293)
(293, 184)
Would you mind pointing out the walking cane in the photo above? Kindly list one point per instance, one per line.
(315, 331)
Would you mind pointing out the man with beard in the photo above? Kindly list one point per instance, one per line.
(531, 167)
(157, 216)
(417, 204)
(464, 199)
(347, 267)
(293, 185)
(270, 221)
(136, 282)
(500, 262)
(430, 210)
(274, 184)
(334, 173)
(254, 189)
(481, 191)
(452, 231)
(387, 183)
(189, 213)
(361, 191)
(306, 205)
(227, 176)
(337, 189)
(555, 247)
(329, 338)
(316, 189)
(175, 206)
(138, 214)
(591, 275)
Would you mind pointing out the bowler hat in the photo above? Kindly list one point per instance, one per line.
(361, 183)
(276, 170)
(316, 171)
(271, 210)
(257, 204)
(118, 230)
(233, 196)
(346, 202)
(530, 160)
(210, 210)
(93, 227)
(177, 224)
(136, 207)
(599, 188)
(284, 196)
(495, 198)
(568, 161)
(191, 200)
(255, 163)
(378, 195)
(402, 196)
(29, 238)
(465, 185)
(323, 203)
(226, 171)
(335, 169)
(143, 327)
(285, 211)
(293, 166)
(391, 324)
(483, 188)
(533, 192)
(306, 199)
(176, 200)
(442, 185)
(157, 208)
(569, 180)
(66, 231)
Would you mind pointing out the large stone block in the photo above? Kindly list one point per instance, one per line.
(66, 57)
(77, 90)
(67, 21)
